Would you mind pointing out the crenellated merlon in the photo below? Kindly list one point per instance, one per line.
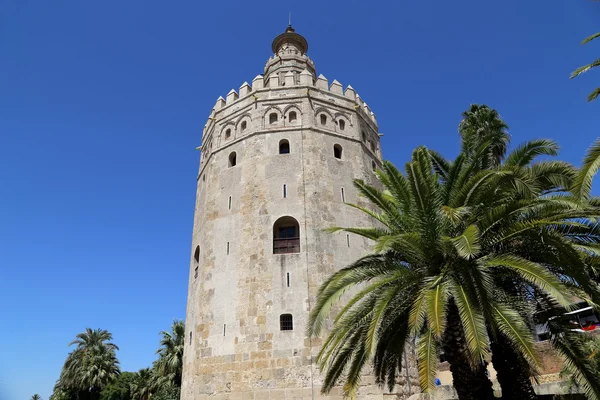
(291, 80)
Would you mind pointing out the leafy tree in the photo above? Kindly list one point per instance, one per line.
(444, 240)
(169, 366)
(36, 397)
(120, 388)
(91, 366)
(167, 392)
(63, 394)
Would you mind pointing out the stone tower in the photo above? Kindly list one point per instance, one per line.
(278, 159)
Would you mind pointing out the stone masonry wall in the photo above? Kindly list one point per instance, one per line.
(234, 346)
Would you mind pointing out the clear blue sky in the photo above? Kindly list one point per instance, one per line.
(102, 105)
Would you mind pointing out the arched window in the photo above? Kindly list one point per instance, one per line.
(293, 116)
(323, 119)
(286, 236)
(373, 146)
(342, 124)
(364, 136)
(227, 133)
(244, 125)
(337, 151)
(284, 147)
(373, 165)
(272, 118)
(286, 322)
(232, 159)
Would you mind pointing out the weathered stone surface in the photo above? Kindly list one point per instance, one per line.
(237, 287)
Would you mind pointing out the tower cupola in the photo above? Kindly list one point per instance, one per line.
(289, 55)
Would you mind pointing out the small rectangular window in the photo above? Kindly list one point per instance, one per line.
(343, 197)
(286, 322)
(230, 202)
(190, 338)
(195, 272)
(288, 279)
(348, 239)
(224, 329)
(284, 191)
(227, 248)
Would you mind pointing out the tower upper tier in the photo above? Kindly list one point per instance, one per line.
(289, 50)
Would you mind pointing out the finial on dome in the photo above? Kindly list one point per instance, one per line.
(290, 36)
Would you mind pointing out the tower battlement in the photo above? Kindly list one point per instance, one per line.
(306, 81)
(245, 112)
(278, 160)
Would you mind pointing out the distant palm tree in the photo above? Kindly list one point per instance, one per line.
(169, 365)
(92, 365)
(36, 397)
(481, 123)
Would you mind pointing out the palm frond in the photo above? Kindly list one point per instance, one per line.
(528, 151)
(511, 324)
(590, 38)
(472, 322)
(427, 352)
(585, 68)
(467, 244)
(571, 349)
(436, 302)
(531, 272)
(582, 185)
(440, 164)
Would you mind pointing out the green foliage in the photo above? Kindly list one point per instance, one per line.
(91, 371)
(167, 392)
(169, 366)
(36, 397)
(143, 384)
(120, 388)
(63, 394)
(478, 235)
(91, 366)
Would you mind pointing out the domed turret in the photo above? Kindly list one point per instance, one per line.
(289, 50)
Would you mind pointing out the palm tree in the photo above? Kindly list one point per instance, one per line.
(142, 386)
(92, 365)
(586, 68)
(169, 365)
(443, 242)
(480, 123)
(36, 397)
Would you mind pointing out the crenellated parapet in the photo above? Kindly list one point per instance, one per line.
(246, 111)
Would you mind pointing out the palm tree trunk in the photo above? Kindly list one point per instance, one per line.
(470, 383)
(512, 371)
